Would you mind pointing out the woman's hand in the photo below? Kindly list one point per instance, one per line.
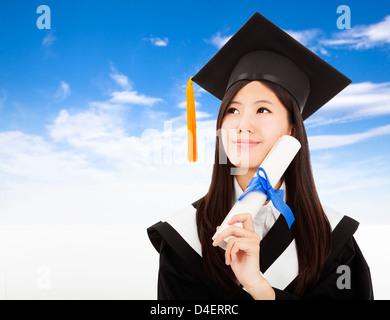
(243, 255)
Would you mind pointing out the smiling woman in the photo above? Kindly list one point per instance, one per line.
(268, 83)
(283, 117)
(253, 121)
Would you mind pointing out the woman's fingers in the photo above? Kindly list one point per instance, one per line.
(234, 245)
(247, 229)
(233, 231)
(229, 247)
(249, 248)
(245, 219)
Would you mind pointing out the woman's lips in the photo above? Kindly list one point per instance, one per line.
(246, 143)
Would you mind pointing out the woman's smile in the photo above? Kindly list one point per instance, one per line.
(246, 143)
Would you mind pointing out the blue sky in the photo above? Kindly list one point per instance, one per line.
(81, 105)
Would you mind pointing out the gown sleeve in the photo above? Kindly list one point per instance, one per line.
(326, 288)
(175, 280)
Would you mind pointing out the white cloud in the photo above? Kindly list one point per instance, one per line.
(183, 105)
(218, 40)
(310, 38)
(361, 36)
(29, 159)
(85, 126)
(100, 135)
(305, 37)
(202, 115)
(133, 97)
(49, 39)
(119, 78)
(358, 37)
(357, 187)
(91, 168)
(63, 91)
(97, 172)
(358, 101)
(199, 114)
(127, 96)
(335, 141)
(158, 42)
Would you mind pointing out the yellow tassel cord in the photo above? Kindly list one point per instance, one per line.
(191, 123)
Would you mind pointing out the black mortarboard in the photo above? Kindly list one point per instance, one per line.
(262, 51)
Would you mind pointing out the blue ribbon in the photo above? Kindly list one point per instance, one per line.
(264, 185)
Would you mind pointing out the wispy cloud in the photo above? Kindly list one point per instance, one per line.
(119, 78)
(81, 128)
(47, 45)
(310, 38)
(63, 91)
(358, 37)
(103, 161)
(90, 156)
(358, 101)
(336, 141)
(98, 178)
(32, 158)
(49, 39)
(133, 97)
(183, 105)
(128, 96)
(361, 36)
(307, 37)
(218, 40)
(158, 42)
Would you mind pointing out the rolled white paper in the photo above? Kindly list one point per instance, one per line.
(274, 164)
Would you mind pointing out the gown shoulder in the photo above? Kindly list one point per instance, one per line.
(345, 277)
(182, 274)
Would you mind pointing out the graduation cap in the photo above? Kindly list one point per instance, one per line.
(262, 51)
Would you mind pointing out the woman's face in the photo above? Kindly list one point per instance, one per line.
(255, 119)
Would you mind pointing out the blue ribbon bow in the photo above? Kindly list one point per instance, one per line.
(264, 185)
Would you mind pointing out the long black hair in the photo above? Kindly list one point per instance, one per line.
(312, 230)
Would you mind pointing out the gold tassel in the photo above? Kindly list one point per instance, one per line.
(191, 123)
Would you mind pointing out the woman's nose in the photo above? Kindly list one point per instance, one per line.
(245, 124)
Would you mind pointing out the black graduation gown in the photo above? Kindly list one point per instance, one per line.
(182, 274)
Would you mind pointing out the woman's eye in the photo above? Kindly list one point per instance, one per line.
(263, 110)
(232, 110)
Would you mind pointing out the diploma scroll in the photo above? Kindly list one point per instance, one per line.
(275, 164)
